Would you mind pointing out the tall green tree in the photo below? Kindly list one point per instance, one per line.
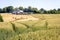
(21, 8)
(42, 10)
(30, 9)
(0, 10)
(4, 10)
(58, 9)
(9, 8)
(35, 10)
(53, 11)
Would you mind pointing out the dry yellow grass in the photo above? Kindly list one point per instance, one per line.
(6, 25)
(51, 33)
(52, 19)
(12, 17)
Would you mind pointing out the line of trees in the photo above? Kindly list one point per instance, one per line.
(30, 9)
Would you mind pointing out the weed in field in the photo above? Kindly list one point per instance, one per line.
(46, 24)
(13, 26)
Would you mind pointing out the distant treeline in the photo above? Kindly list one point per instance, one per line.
(9, 9)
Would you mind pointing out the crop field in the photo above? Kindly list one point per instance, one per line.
(45, 27)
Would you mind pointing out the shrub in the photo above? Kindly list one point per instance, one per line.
(1, 19)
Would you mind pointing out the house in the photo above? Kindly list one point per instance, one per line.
(17, 11)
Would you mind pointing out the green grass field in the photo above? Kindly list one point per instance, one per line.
(46, 28)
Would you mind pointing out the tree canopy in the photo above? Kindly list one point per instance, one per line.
(9, 9)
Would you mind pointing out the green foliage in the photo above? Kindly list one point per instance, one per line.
(21, 8)
(9, 9)
(6, 34)
(35, 10)
(58, 9)
(1, 19)
(0, 10)
(4, 10)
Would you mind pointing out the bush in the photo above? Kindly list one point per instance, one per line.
(1, 19)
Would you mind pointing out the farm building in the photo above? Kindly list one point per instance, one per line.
(17, 11)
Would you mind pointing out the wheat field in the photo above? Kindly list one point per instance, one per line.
(47, 27)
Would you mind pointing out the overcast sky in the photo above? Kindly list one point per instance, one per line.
(46, 4)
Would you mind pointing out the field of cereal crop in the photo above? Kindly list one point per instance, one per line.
(46, 28)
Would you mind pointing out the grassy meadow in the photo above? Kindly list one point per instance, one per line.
(46, 28)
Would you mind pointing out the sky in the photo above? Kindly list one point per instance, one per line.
(46, 4)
